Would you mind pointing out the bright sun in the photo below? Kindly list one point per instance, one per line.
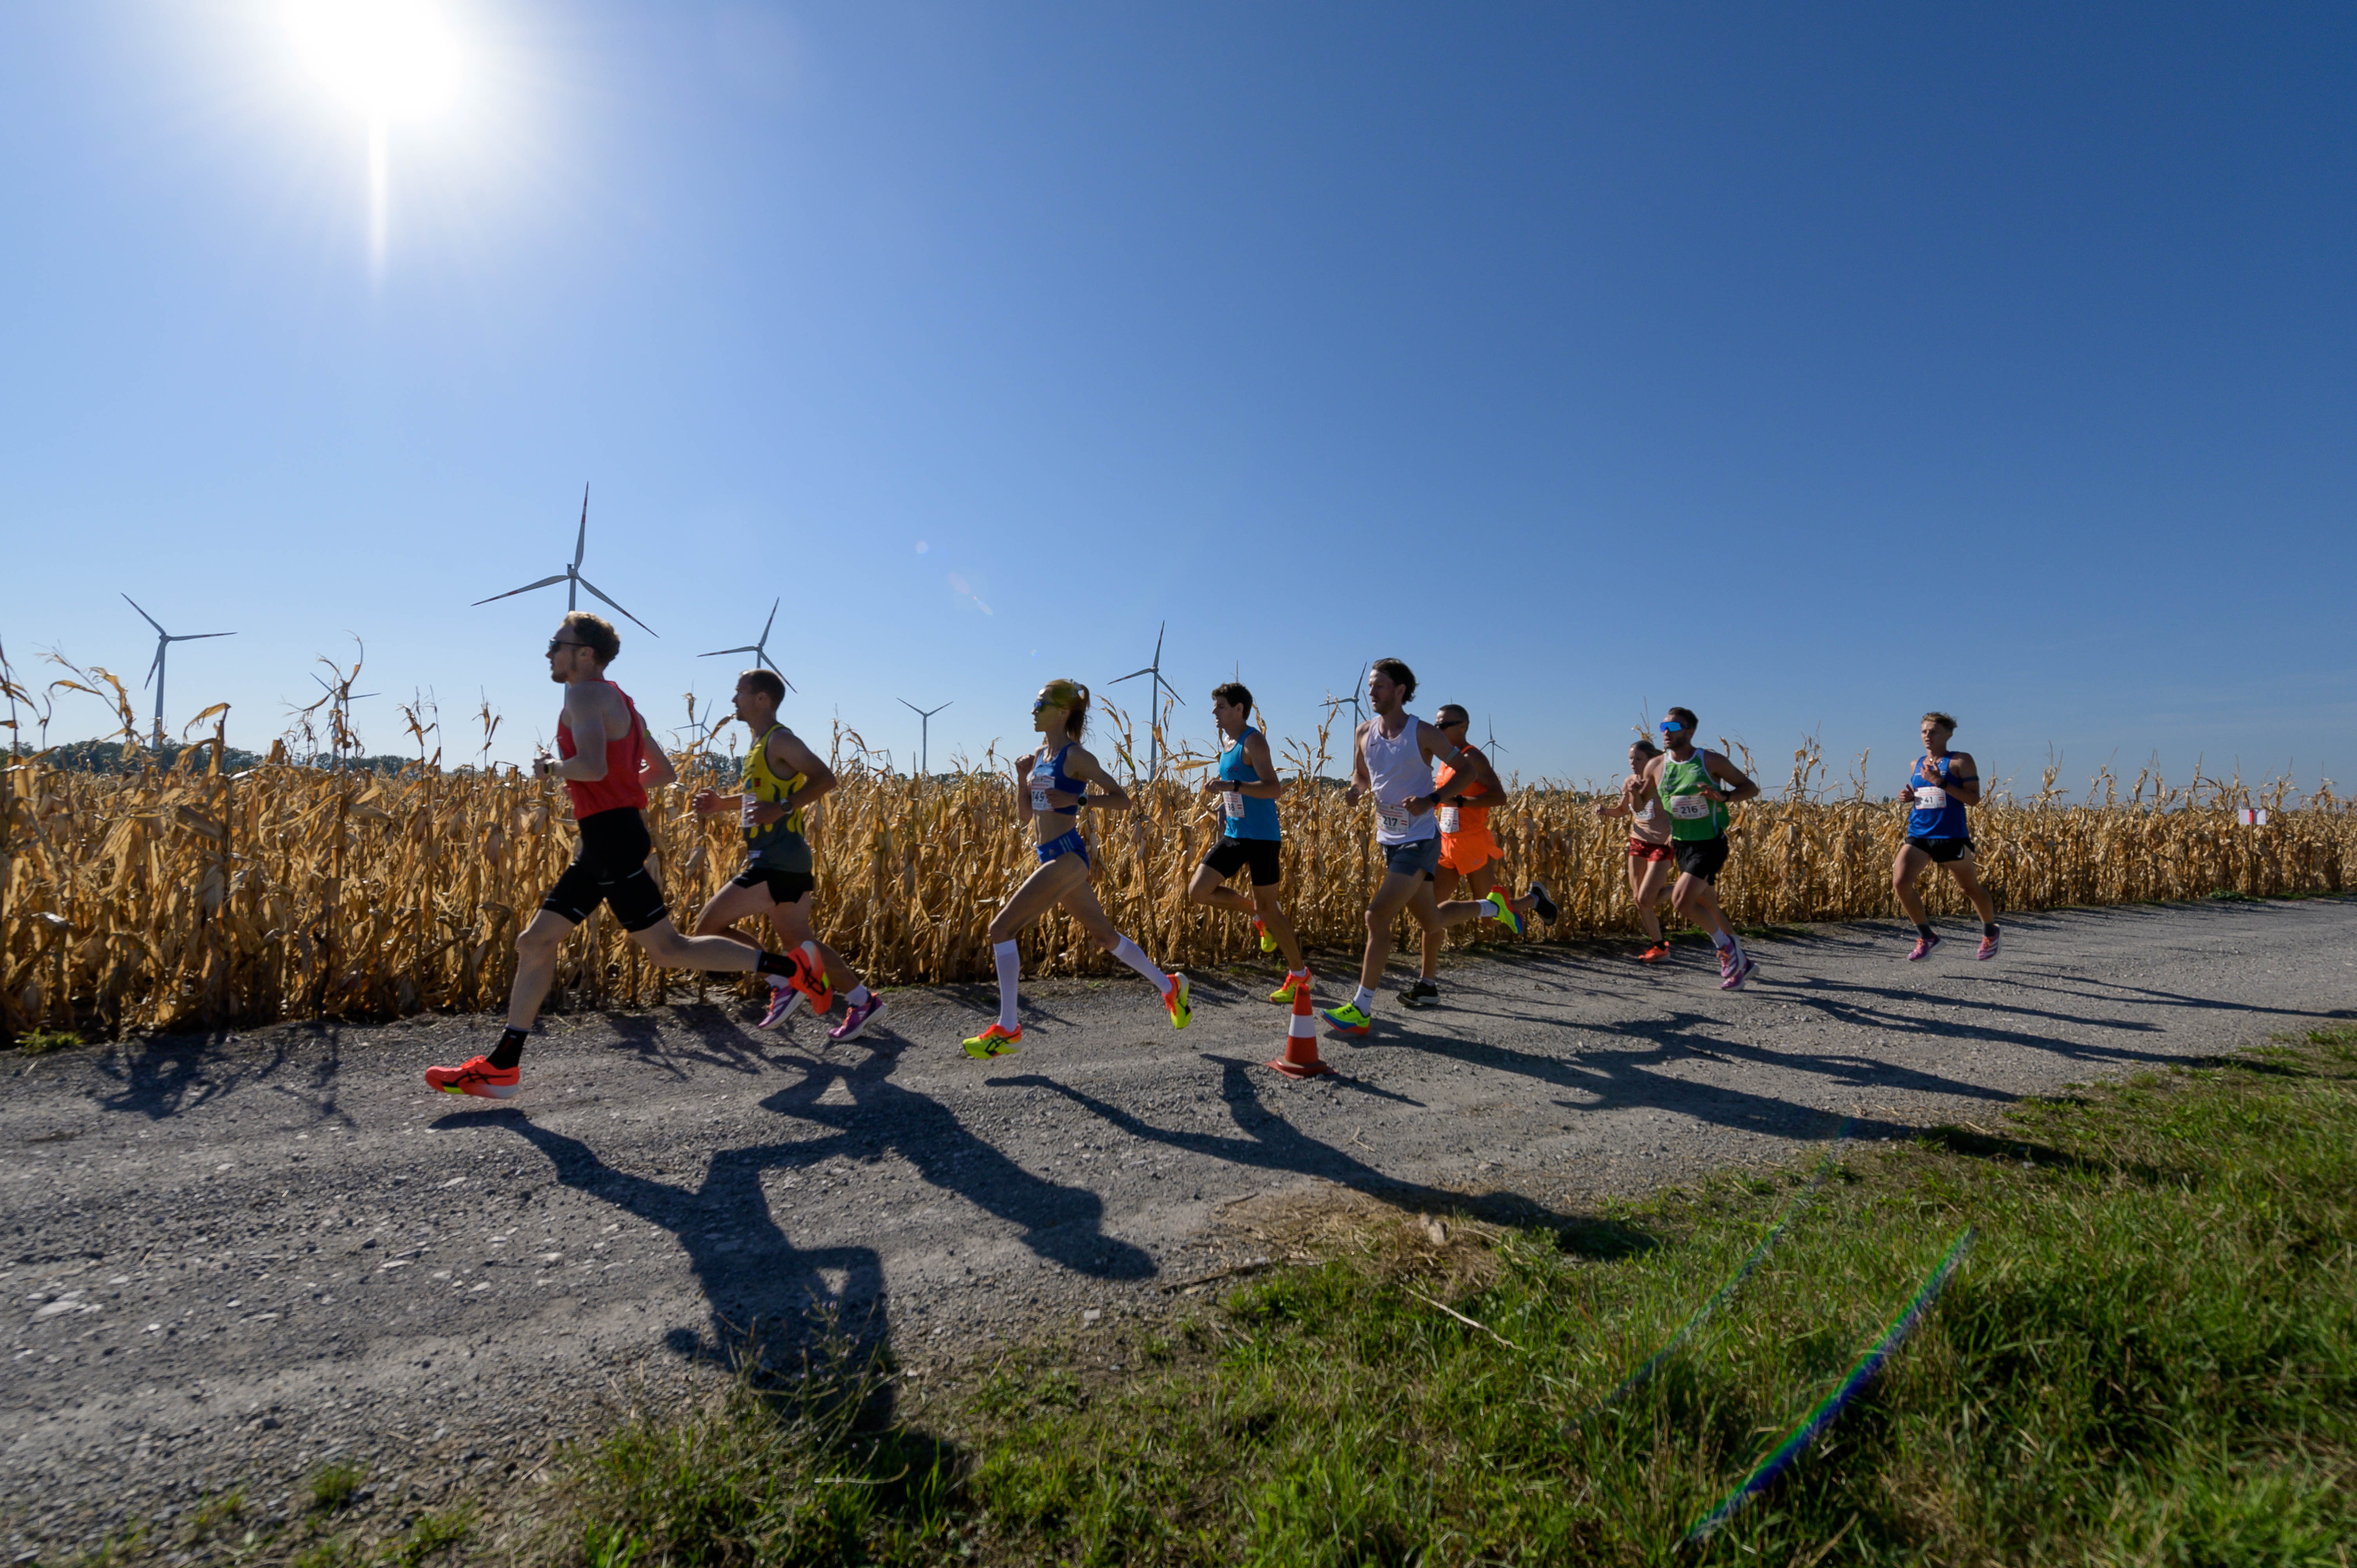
(386, 59)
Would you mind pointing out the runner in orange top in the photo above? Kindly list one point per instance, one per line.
(1466, 849)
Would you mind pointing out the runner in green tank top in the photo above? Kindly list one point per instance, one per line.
(1688, 783)
(783, 779)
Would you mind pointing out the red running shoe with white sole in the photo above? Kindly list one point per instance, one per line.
(477, 1076)
(1923, 946)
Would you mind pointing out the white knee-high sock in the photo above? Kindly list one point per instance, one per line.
(1130, 953)
(1010, 968)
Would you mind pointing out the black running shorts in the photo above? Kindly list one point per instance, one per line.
(1265, 856)
(1701, 858)
(610, 867)
(1942, 850)
(785, 886)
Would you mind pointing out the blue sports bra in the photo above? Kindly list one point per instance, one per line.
(1048, 773)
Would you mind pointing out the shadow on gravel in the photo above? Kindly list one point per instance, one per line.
(160, 1076)
(772, 1303)
(1266, 1141)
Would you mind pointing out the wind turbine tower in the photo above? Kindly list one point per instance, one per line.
(1158, 686)
(572, 578)
(164, 641)
(925, 734)
(759, 649)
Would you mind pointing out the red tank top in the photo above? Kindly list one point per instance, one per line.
(620, 786)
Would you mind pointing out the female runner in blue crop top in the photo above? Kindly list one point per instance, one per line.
(1050, 789)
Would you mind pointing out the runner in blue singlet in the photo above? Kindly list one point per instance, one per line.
(1938, 788)
(1245, 788)
(1049, 792)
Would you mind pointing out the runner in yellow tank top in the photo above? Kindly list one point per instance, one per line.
(783, 779)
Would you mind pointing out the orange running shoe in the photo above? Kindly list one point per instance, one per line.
(993, 1042)
(1655, 953)
(477, 1077)
(811, 980)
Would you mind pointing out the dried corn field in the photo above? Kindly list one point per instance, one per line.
(189, 898)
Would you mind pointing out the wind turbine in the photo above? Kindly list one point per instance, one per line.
(761, 648)
(1158, 686)
(1355, 702)
(164, 641)
(925, 734)
(572, 578)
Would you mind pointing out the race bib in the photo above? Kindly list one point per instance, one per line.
(1448, 819)
(1931, 799)
(1232, 802)
(1039, 800)
(1391, 819)
(1644, 812)
(745, 810)
(1690, 808)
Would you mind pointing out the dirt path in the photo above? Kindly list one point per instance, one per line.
(233, 1258)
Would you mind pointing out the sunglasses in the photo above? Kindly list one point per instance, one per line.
(556, 642)
(1671, 726)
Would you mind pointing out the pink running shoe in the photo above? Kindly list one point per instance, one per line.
(1923, 946)
(1734, 980)
(856, 1018)
(1988, 949)
(783, 1000)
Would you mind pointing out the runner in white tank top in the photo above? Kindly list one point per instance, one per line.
(1392, 757)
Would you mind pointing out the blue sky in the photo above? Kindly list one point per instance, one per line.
(1807, 368)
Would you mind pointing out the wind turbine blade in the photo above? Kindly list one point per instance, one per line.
(581, 540)
(199, 636)
(770, 622)
(1131, 676)
(626, 615)
(718, 651)
(157, 665)
(151, 620)
(512, 593)
(1157, 643)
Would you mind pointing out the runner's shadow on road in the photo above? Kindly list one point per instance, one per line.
(1264, 1140)
(160, 1076)
(1061, 1224)
(768, 1299)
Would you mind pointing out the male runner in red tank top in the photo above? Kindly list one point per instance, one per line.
(606, 763)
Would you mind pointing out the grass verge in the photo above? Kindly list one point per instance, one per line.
(2150, 1356)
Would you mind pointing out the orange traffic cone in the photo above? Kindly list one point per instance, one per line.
(1300, 1058)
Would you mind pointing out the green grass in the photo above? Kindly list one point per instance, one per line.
(37, 1042)
(333, 1487)
(2149, 1356)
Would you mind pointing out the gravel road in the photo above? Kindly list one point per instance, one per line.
(234, 1258)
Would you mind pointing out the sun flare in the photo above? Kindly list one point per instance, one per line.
(385, 59)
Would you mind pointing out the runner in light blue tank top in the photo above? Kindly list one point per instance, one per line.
(1941, 785)
(1243, 789)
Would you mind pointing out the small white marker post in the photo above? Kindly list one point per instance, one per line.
(2253, 816)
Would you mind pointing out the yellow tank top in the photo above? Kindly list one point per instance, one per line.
(779, 844)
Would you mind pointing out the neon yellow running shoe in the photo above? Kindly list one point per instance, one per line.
(1174, 999)
(1293, 983)
(1503, 908)
(993, 1042)
(1267, 942)
(1346, 1019)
